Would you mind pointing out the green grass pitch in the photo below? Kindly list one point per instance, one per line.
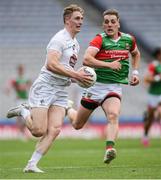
(82, 159)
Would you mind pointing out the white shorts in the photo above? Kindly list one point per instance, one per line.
(154, 100)
(95, 95)
(44, 94)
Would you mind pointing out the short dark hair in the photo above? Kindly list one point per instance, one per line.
(111, 12)
(70, 9)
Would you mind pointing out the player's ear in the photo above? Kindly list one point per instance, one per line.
(66, 20)
(118, 23)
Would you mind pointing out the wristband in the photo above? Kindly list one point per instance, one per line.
(157, 78)
(135, 72)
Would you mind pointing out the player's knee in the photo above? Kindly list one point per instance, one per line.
(54, 131)
(77, 126)
(113, 117)
(38, 132)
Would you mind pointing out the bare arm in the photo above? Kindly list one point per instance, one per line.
(135, 65)
(90, 60)
(54, 65)
(135, 59)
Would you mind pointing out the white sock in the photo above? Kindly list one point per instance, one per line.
(25, 112)
(35, 158)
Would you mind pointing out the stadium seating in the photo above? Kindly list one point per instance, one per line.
(27, 26)
(140, 17)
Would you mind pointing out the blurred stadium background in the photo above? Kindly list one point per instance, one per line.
(26, 27)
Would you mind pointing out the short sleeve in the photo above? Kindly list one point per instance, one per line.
(96, 42)
(55, 45)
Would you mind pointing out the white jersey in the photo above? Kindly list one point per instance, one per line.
(68, 48)
(50, 88)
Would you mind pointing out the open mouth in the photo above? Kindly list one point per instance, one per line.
(110, 30)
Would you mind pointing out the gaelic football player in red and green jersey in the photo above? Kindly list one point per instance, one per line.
(108, 53)
(153, 80)
(20, 85)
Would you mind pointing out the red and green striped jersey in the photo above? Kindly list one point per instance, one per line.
(21, 86)
(111, 50)
(154, 68)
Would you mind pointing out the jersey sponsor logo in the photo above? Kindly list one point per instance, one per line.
(121, 52)
(113, 54)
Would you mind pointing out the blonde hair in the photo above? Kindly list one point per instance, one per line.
(68, 11)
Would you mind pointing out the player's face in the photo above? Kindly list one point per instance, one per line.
(75, 22)
(111, 26)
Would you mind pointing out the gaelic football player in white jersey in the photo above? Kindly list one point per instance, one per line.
(48, 96)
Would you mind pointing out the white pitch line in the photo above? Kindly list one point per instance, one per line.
(82, 167)
(59, 167)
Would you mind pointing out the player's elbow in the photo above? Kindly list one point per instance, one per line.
(136, 54)
(49, 66)
(86, 61)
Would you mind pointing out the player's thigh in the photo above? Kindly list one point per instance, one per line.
(40, 118)
(112, 105)
(56, 116)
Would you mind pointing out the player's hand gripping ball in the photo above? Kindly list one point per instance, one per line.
(93, 75)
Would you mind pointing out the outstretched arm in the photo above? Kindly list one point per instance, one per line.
(135, 65)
